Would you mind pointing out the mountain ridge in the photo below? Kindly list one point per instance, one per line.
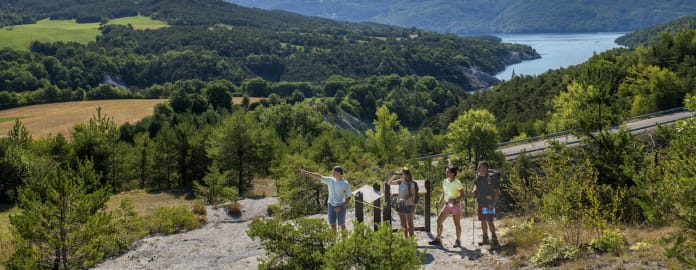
(499, 16)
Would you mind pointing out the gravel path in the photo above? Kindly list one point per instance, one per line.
(223, 244)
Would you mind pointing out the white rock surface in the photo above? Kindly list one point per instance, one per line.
(223, 244)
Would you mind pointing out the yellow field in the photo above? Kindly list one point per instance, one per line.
(51, 119)
(238, 100)
(20, 36)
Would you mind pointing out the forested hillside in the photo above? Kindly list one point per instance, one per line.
(651, 35)
(214, 40)
(627, 83)
(499, 16)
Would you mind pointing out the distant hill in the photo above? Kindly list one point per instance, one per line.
(493, 16)
(651, 35)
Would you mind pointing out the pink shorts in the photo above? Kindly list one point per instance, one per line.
(455, 209)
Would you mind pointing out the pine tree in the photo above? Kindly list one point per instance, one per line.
(62, 224)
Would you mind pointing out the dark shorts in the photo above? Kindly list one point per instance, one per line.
(483, 217)
(403, 208)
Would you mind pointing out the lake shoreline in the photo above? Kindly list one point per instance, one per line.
(557, 50)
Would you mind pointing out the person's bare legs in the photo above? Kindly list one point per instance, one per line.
(440, 220)
(343, 227)
(409, 222)
(333, 227)
(404, 224)
(457, 225)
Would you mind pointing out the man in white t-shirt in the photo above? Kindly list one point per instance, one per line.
(339, 195)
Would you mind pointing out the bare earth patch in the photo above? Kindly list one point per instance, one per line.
(51, 119)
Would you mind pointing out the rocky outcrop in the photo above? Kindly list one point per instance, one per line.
(514, 57)
(479, 79)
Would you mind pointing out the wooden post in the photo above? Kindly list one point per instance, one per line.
(359, 207)
(377, 212)
(387, 203)
(428, 190)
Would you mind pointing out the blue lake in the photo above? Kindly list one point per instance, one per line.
(557, 50)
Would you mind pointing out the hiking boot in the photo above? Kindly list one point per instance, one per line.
(436, 242)
(485, 241)
(495, 244)
(457, 244)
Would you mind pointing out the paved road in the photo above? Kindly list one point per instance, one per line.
(636, 127)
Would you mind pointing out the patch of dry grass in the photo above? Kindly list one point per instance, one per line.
(51, 119)
(648, 252)
(6, 239)
(144, 203)
(263, 187)
(238, 100)
(5, 211)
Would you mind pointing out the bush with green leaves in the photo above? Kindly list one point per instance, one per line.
(307, 243)
(666, 188)
(609, 241)
(273, 210)
(297, 244)
(213, 188)
(128, 227)
(364, 248)
(524, 234)
(168, 220)
(553, 251)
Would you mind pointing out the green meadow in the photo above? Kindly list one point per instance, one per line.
(20, 36)
(139, 22)
(3, 120)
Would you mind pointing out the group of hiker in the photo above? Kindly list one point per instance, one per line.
(486, 191)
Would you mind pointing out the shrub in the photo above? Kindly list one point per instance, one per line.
(525, 234)
(300, 244)
(171, 220)
(364, 248)
(553, 251)
(199, 208)
(7, 246)
(234, 209)
(128, 227)
(273, 210)
(201, 212)
(609, 241)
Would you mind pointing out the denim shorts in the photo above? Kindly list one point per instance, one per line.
(334, 217)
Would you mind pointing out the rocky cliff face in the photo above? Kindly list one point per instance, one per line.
(479, 79)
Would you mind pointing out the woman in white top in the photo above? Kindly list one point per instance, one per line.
(405, 205)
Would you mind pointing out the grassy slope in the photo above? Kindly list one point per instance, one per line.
(46, 119)
(20, 36)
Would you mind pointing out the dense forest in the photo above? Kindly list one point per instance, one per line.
(651, 35)
(572, 202)
(500, 16)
